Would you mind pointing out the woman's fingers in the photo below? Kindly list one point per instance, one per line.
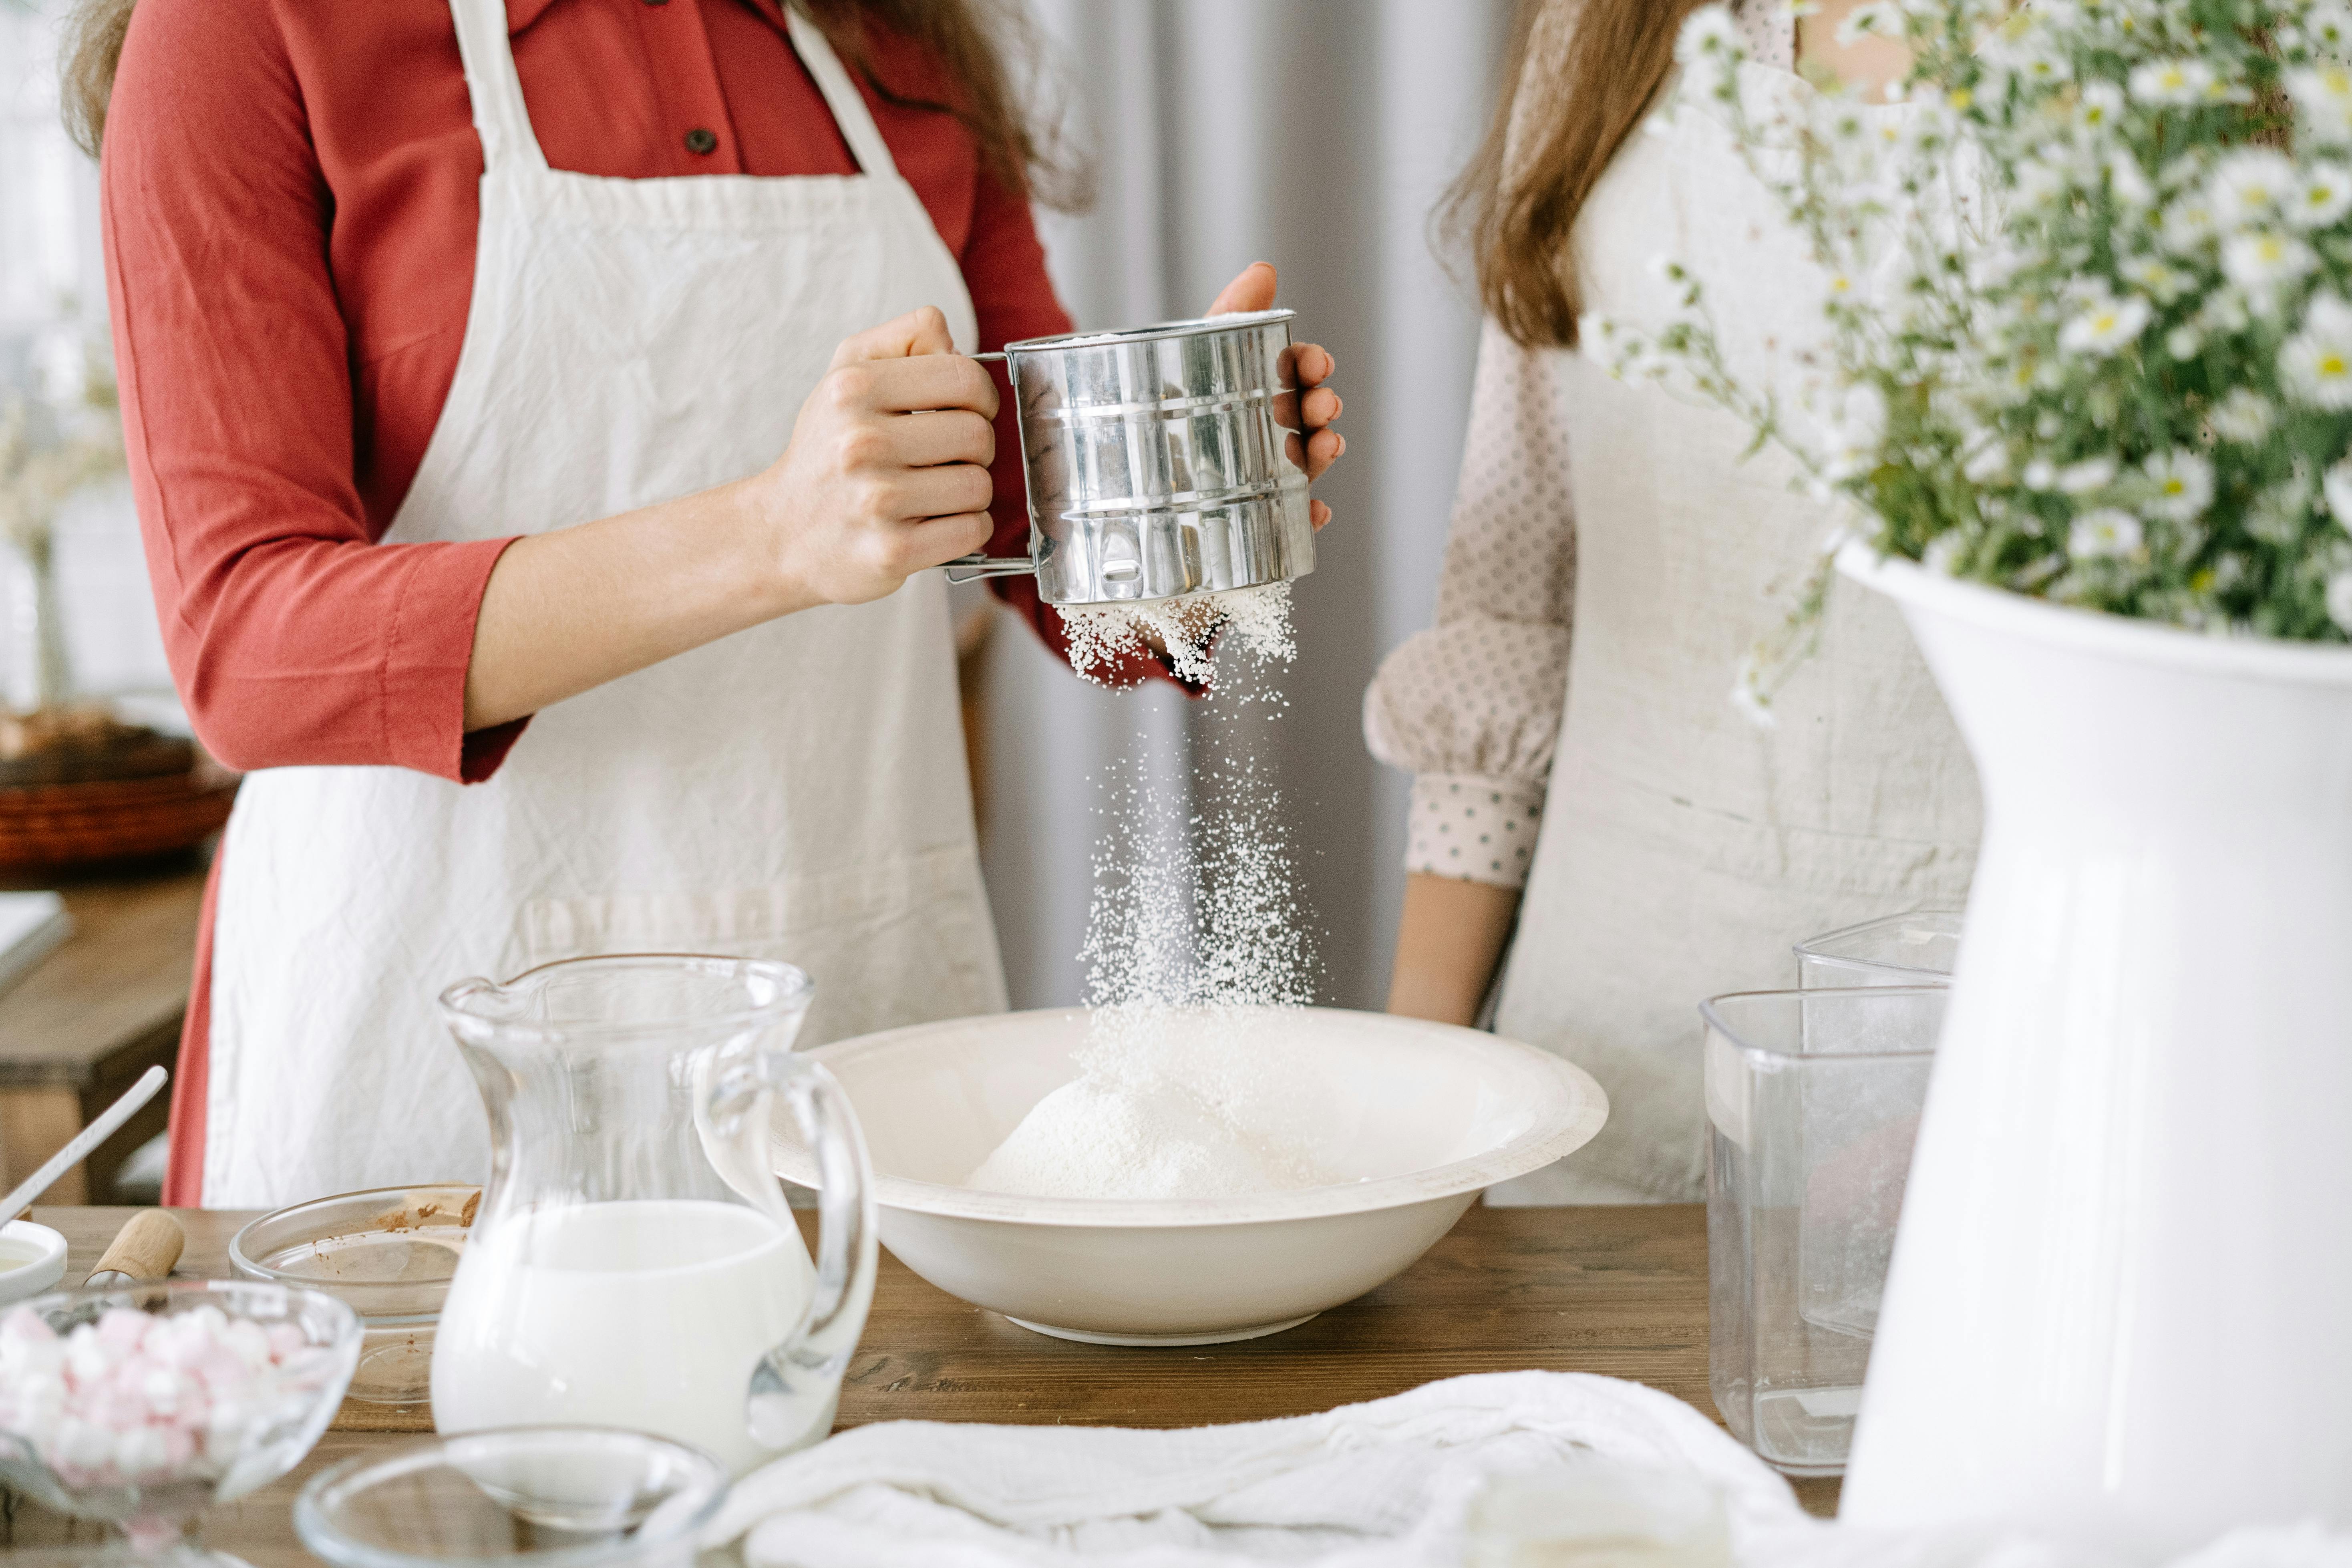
(1317, 514)
(1314, 454)
(947, 490)
(1252, 290)
(1322, 405)
(937, 540)
(923, 330)
(950, 435)
(923, 384)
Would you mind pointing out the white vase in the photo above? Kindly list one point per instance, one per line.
(2120, 1306)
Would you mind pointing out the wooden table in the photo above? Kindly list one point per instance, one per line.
(94, 1014)
(1615, 1290)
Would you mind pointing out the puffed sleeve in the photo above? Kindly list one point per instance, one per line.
(1472, 706)
(293, 638)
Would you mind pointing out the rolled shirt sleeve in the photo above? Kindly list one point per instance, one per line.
(294, 637)
(1472, 706)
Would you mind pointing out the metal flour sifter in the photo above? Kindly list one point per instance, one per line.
(1156, 461)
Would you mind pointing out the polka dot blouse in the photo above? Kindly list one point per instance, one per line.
(1472, 706)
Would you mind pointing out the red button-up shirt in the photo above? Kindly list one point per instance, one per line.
(290, 205)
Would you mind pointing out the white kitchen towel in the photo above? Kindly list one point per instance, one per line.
(1379, 1484)
(1387, 1484)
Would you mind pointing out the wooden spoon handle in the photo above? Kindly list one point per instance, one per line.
(146, 1248)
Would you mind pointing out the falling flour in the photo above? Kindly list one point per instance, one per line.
(1255, 620)
(1195, 944)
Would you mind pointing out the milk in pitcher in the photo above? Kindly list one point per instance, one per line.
(549, 1317)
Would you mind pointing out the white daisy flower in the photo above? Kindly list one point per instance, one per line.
(2243, 417)
(1986, 462)
(2173, 81)
(2106, 326)
(2335, 484)
(1860, 428)
(2183, 481)
(2189, 221)
(2316, 363)
(2325, 195)
(2157, 278)
(1881, 19)
(2040, 476)
(2251, 185)
(1710, 31)
(2090, 474)
(2127, 181)
(2258, 260)
(2327, 28)
(2098, 105)
(2323, 96)
(2184, 342)
(2103, 534)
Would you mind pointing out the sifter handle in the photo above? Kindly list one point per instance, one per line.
(146, 1248)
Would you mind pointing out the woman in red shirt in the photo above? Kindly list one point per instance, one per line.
(458, 340)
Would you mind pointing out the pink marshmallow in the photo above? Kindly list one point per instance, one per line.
(24, 1324)
(123, 1328)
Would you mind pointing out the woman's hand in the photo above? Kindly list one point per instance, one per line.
(1309, 413)
(887, 472)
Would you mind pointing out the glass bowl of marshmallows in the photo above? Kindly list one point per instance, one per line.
(142, 1406)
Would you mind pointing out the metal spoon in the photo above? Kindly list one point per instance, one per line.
(88, 1138)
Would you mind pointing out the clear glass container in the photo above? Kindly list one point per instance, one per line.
(1916, 949)
(1813, 1101)
(73, 1440)
(633, 1263)
(548, 1496)
(388, 1253)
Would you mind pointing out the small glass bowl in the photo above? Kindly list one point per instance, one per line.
(549, 1497)
(157, 1502)
(389, 1254)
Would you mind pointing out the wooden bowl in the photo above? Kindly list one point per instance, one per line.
(46, 824)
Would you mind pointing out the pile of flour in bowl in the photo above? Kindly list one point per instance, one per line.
(1195, 948)
(1169, 1103)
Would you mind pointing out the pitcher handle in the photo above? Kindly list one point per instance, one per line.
(797, 1385)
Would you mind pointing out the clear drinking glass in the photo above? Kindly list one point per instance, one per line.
(633, 1263)
(538, 1497)
(1916, 949)
(1813, 1101)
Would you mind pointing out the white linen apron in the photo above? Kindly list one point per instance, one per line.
(796, 791)
(1684, 849)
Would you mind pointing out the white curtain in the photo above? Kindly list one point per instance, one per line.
(1316, 134)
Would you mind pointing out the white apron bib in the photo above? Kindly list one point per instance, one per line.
(796, 791)
(1684, 849)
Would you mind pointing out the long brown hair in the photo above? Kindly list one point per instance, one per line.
(1018, 127)
(1581, 74)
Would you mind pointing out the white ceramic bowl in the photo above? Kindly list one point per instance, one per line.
(32, 1260)
(1421, 1117)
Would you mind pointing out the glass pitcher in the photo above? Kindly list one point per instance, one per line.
(634, 1263)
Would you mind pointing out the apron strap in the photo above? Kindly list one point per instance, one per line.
(841, 95)
(499, 117)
